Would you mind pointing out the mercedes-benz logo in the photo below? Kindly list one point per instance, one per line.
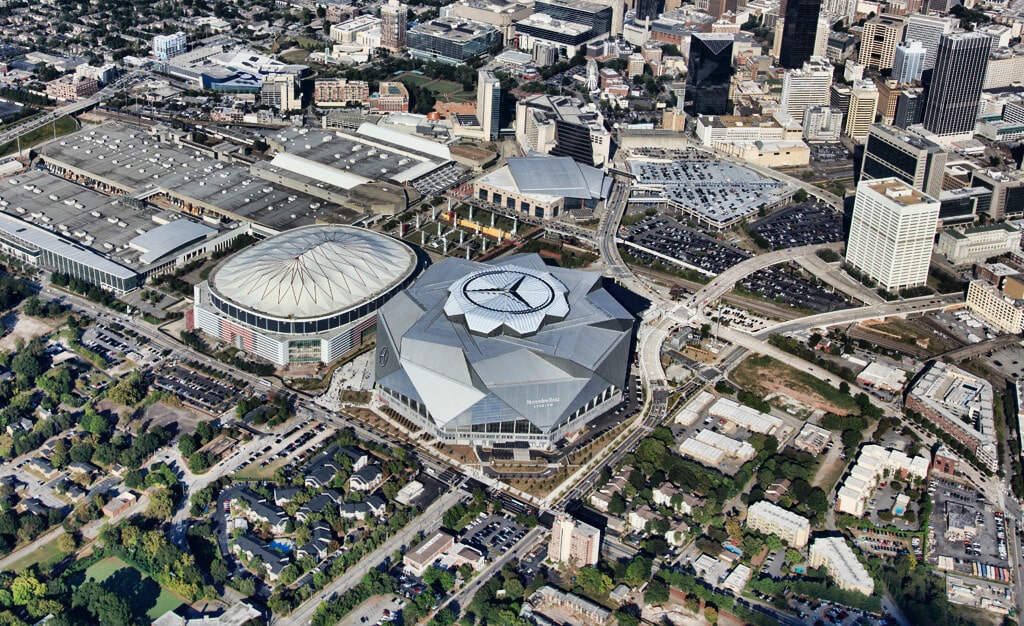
(382, 356)
(508, 291)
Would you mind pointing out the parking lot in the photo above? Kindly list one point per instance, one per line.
(103, 342)
(738, 318)
(493, 535)
(964, 527)
(197, 389)
(670, 238)
(814, 611)
(376, 610)
(298, 444)
(783, 285)
(804, 224)
(829, 153)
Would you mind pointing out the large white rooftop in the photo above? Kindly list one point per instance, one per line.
(313, 271)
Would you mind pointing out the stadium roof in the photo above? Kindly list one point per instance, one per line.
(313, 271)
(464, 378)
(511, 298)
(557, 176)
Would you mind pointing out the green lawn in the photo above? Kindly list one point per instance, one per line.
(445, 87)
(44, 555)
(65, 125)
(415, 79)
(143, 594)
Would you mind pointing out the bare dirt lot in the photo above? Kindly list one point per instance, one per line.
(26, 328)
(164, 415)
(763, 375)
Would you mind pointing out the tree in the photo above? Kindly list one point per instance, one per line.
(243, 585)
(710, 614)
(638, 571)
(617, 505)
(844, 387)
(657, 592)
(800, 196)
(27, 588)
(161, 504)
(107, 607)
(66, 543)
(793, 556)
(593, 582)
(187, 445)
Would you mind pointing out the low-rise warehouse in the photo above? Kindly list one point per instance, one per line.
(429, 550)
(744, 416)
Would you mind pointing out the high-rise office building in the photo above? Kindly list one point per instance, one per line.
(806, 87)
(928, 29)
(573, 542)
(821, 37)
(798, 32)
(954, 90)
(709, 72)
(909, 108)
(915, 160)
(908, 62)
(822, 123)
(863, 106)
(879, 40)
(649, 9)
(488, 103)
(167, 46)
(891, 233)
(392, 28)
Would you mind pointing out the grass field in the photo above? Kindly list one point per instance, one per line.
(762, 375)
(443, 89)
(415, 79)
(64, 125)
(143, 594)
(44, 555)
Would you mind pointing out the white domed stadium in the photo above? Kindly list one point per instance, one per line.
(306, 295)
(512, 353)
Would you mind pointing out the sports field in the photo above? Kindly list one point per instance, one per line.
(143, 594)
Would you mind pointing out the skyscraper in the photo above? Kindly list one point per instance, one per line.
(806, 87)
(798, 32)
(488, 103)
(709, 72)
(909, 108)
(392, 27)
(649, 9)
(821, 36)
(878, 42)
(891, 233)
(913, 159)
(953, 93)
(928, 29)
(573, 542)
(863, 106)
(908, 62)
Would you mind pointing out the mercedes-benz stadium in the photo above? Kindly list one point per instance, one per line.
(309, 294)
(512, 353)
